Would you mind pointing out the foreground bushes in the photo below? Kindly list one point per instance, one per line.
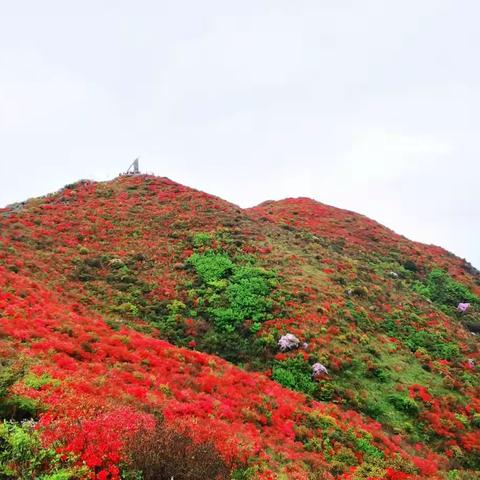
(23, 457)
(163, 454)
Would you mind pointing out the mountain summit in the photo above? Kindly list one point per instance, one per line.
(152, 331)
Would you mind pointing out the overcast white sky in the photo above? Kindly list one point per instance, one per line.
(370, 105)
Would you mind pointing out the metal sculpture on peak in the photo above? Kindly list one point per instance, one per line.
(133, 169)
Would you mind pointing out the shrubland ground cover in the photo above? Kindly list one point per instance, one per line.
(140, 312)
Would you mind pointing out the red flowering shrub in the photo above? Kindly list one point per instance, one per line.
(95, 279)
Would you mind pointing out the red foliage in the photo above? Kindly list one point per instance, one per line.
(105, 380)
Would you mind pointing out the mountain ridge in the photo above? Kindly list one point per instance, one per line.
(326, 208)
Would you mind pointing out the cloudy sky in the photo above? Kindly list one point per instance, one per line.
(370, 105)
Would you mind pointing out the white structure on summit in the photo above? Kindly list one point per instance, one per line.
(133, 169)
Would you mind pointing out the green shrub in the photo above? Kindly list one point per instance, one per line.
(294, 373)
(373, 408)
(410, 266)
(343, 459)
(448, 351)
(421, 339)
(315, 419)
(363, 444)
(8, 376)
(476, 420)
(247, 295)
(444, 290)
(248, 473)
(232, 293)
(313, 445)
(23, 457)
(325, 391)
(126, 308)
(433, 343)
(14, 407)
(236, 347)
(36, 382)
(404, 404)
(201, 239)
(211, 266)
(379, 373)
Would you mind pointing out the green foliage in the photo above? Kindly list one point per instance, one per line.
(14, 406)
(314, 445)
(404, 404)
(121, 275)
(364, 445)
(433, 343)
(476, 420)
(176, 307)
(325, 390)
(247, 294)
(343, 459)
(294, 373)
(8, 376)
(444, 290)
(201, 239)
(168, 320)
(410, 266)
(36, 382)
(126, 308)
(22, 456)
(232, 293)
(248, 473)
(381, 374)
(448, 351)
(85, 269)
(236, 346)
(315, 419)
(463, 475)
(211, 266)
(374, 468)
(374, 408)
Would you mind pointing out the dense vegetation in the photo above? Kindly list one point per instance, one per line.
(139, 329)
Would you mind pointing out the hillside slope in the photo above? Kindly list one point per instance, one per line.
(140, 302)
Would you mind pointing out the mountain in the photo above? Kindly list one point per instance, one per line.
(140, 323)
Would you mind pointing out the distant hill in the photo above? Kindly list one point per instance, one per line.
(140, 323)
